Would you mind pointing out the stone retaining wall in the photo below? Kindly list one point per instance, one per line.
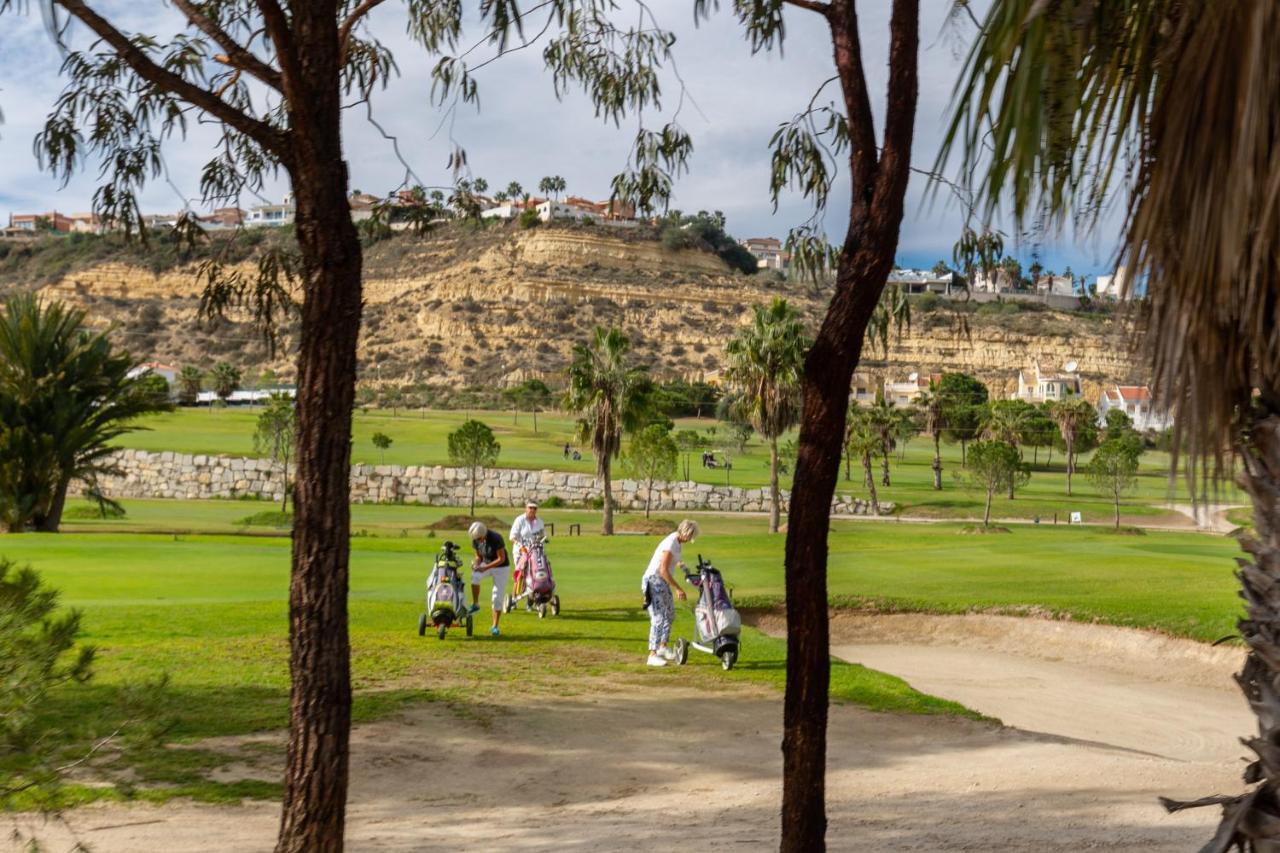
(176, 475)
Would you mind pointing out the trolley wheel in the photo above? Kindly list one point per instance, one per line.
(728, 658)
(470, 625)
(682, 651)
(542, 610)
(555, 605)
(440, 632)
(422, 625)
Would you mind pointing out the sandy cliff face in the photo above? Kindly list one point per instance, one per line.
(471, 309)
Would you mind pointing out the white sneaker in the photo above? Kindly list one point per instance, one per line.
(657, 660)
(667, 654)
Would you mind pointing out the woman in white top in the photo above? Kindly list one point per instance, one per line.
(657, 583)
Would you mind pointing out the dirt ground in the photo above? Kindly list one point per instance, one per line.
(1101, 732)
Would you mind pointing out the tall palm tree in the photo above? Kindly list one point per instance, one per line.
(225, 378)
(931, 407)
(862, 441)
(1071, 415)
(65, 394)
(764, 364)
(882, 417)
(612, 396)
(1056, 98)
(190, 382)
(1007, 421)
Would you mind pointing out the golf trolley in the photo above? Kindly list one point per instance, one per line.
(533, 582)
(718, 623)
(446, 595)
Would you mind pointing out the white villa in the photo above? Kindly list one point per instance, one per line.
(863, 390)
(1043, 384)
(1113, 286)
(1137, 402)
(906, 393)
(273, 215)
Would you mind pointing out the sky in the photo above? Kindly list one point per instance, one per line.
(735, 101)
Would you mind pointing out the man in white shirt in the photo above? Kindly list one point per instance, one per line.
(524, 529)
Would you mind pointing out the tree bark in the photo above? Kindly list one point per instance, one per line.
(315, 783)
(606, 521)
(1117, 510)
(284, 502)
(473, 493)
(986, 513)
(871, 485)
(875, 216)
(1071, 463)
(937, 464)
(53, 518)
(884, 465)
(774, 503)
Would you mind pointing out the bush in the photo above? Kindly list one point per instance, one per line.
(553, 502)
(269, 518)
(529, 219)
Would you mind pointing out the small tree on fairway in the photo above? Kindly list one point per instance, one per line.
(226, 380)
(995, 466)
(1114, 466)
(382, 441)
(472, 446)
(964, 401)
(277, 437)
(688, 440)
(652, 455)
(190, 383)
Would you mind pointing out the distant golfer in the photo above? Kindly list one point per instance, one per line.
(658, 581)
(491, 562)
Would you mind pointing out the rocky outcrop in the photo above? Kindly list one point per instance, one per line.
(189, 477)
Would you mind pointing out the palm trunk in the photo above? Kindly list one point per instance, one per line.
(879, 185)
(937, 463)
(774, 496)
(315, 781)
(52, 520)
(606, 522)
(1254, 813)
(884, 465)
(871, 484)
(847, 460)
(1071, 464)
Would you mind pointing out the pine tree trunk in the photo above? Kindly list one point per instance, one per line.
(315, 783)
(774, 508)
(875, 215)
(937, 464)
(606, 522)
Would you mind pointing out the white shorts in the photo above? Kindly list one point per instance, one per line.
(499, 575)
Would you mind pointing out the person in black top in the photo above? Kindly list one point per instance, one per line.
(491, 562)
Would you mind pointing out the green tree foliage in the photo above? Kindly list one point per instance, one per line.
(862, 441)
(552, 185)
(611, 395)
(1076, 421)
(1008, 421)
(472, 446)
(764, 365)
(226, 380)
(650, 456)
(38, 653)
(688, 440)
(964, 401)
(1039, 431)
(682, 399)
(1114, 466)
(1116, 424)
(276, 436)
(65, 394)
(933, 423)
(705, 231)
(190, 384)
(995, 466)
(382, 441)
(532, 396)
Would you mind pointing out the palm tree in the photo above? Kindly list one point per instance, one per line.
(1007, 421)
(65, 394)
(553, 184)
(1070, 415)
(514, 190)
(931, 406)
(882, 417)
(764, 364)
(862, 440)
(612, 396)
(190, 382)
(1055, 98)
(226, 379)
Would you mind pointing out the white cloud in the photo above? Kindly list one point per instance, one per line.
(523, 132)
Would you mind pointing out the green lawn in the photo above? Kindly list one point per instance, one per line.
(209, 612)
(420, 438)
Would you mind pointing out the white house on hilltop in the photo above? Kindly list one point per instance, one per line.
(1042, 384)
(1137, 402)
(906, 393)
(769, 252)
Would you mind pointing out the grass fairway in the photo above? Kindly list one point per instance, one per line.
(420, 438)
(209, 612)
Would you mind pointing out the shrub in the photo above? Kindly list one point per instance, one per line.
(529, 219)
(553, 502)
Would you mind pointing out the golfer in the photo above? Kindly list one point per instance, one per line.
(659, 579)
(491, 562)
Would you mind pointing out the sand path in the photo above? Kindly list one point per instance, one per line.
(654, 767)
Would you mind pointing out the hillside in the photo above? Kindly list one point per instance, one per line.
(465, 309)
